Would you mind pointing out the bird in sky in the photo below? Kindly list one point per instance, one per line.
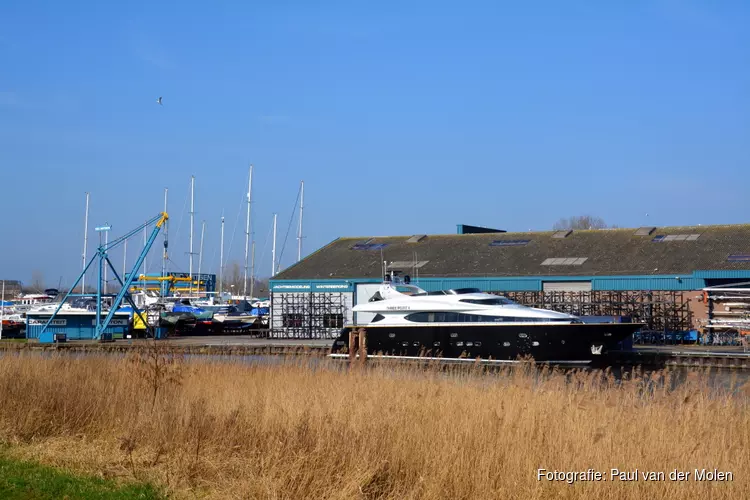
(159, 101)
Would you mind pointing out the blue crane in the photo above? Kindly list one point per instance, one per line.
(103, 259)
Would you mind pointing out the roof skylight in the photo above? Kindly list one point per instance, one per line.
(564, 261)
(509, 243)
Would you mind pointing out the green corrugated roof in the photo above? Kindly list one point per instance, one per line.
(607, 252)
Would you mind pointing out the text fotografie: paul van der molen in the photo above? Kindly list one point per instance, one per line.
(634, 475)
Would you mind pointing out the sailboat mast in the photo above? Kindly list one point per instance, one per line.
(145, 264)
(301, 208)
(192, 217)
(2, 310)
(85, 242)
(200, 255)
(221, 258)
(252, 271)
(273, 252)
(106, 241)
(247, 226)
(163, 287)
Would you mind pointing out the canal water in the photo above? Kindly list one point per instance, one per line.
(719, 380)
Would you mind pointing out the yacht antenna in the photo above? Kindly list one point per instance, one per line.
(85, 242)
(247, 227)
(416, 268)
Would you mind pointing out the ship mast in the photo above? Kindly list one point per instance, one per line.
(247, 227)
(85, 242)
(301, 208)
(163, 287)
(273, 251)
(200, 255)
(192, 216)
(221, 259)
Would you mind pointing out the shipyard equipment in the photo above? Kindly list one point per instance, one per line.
(101, 257)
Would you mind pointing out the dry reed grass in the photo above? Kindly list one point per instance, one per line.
(225, 429)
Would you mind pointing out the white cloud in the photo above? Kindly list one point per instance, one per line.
(150, 51)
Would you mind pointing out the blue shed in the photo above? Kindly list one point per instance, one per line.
(76, 325)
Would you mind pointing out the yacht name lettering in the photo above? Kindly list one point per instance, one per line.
(398, 308)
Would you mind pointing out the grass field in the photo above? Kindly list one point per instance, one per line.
(27, 481)
(229, 430)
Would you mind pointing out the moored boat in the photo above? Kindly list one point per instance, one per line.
(467, 323)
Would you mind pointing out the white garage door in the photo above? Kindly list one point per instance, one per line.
(566, 286)
(364, 292)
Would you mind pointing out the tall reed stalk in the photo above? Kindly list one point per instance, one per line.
(309, 429)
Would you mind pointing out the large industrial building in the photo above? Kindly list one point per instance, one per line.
(650, 274)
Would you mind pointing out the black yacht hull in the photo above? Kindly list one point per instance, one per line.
(565, 342)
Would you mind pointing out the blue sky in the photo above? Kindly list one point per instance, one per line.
(401, 117)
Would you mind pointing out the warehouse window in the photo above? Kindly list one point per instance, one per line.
(564, 261)
(293, 320)
(333, 320)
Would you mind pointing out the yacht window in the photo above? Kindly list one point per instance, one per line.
(461, 291)
(453, 317)
(377, 318)
(420, 317)
(376, 297)
(495, 301)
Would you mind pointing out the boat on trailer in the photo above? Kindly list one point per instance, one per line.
(466, 324)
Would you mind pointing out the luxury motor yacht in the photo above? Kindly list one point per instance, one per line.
(468, 323)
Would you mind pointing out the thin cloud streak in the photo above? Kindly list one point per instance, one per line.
(150, 51)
